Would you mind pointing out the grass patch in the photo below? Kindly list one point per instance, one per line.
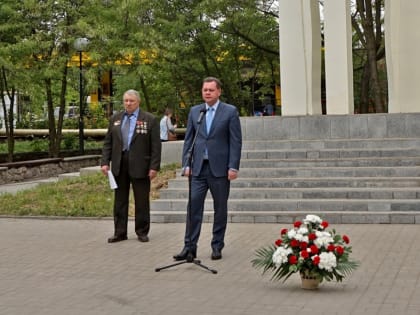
(87, 196)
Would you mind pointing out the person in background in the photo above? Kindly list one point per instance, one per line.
(215, 162)
(268, 109)
(132, 151)
(166, 126)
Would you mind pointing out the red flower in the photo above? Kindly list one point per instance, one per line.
(316, 260)
(312, 236)
(293, 260)
(297, 224)
(283, 231)
(346, 239)
(303, 245)
(314, 249)
(339, 250)
(324, 224)
(331, 248)
(278, 242)
(294, 243)
(304, 254)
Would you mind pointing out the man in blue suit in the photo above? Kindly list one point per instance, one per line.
(214, 163)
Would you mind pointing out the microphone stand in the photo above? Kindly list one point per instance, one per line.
(190, 256)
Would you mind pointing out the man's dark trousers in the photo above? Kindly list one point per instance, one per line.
(219, 188)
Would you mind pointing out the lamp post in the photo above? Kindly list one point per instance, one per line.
(80, 45)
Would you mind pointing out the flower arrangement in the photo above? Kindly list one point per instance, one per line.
(311, 250)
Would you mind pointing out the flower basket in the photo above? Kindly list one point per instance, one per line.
(309, 282)
(310, 250)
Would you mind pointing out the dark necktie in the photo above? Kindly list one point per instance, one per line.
(125, 130)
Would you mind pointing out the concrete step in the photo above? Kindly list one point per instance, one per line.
(274, 173)
(360, 143)
(68, 175)
(306, 205)
(319, 172)
(304, 193)
(334, 217)
(275, 153)
(303, 182)
(13, 188)
(331, 162)
(83, 172)
(89, 170)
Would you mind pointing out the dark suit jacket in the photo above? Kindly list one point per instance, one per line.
(224, 141)
(145, 147)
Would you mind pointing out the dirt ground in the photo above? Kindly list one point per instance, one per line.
(161, 181)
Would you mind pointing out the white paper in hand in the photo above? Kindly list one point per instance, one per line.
(112, 182)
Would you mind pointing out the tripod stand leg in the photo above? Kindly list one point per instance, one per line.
(198, 263)
(169, 266)
(195, 262)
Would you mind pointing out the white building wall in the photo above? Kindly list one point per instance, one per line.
(300, 57)
(2, 122)
(402, 40)
(338, 57)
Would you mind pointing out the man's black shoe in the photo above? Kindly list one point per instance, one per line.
(117, 238)
(143, 238)
(183, 255)
(216, 254)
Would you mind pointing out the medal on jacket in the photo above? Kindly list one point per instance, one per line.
(141, 127)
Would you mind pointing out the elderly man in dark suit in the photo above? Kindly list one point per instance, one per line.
(215, 162)
(132, 148)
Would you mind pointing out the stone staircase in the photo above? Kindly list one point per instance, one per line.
(349, 179)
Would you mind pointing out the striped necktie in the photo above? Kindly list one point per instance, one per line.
(125, 130)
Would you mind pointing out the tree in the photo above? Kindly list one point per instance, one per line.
(53, 27)
(222, 39)
(44, 44)
(12, 71)
(367, 23)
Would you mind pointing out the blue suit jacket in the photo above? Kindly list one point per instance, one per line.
(224, 141)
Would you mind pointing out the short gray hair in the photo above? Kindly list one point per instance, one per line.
(133, 92)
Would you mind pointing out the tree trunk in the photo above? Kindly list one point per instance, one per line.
(366, 14)
(62, 110)
(51, 120)
(8, 114)
(364, 90)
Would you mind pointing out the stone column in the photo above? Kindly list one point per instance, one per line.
(402, 43)
(300, 57)
(338, 57)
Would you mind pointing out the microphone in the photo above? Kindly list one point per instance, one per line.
(202, 113)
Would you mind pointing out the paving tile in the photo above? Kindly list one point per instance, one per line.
(54, 267)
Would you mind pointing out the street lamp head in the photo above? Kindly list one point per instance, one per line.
(80, 44)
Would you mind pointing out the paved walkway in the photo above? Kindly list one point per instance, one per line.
(53, 267)
(13, 188)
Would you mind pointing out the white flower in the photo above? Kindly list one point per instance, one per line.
(303, 230)
(302, 238)
(328, 261)
(310, 218)
(323, 239)
(280, 255)
(291, 234)
(298, 234)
